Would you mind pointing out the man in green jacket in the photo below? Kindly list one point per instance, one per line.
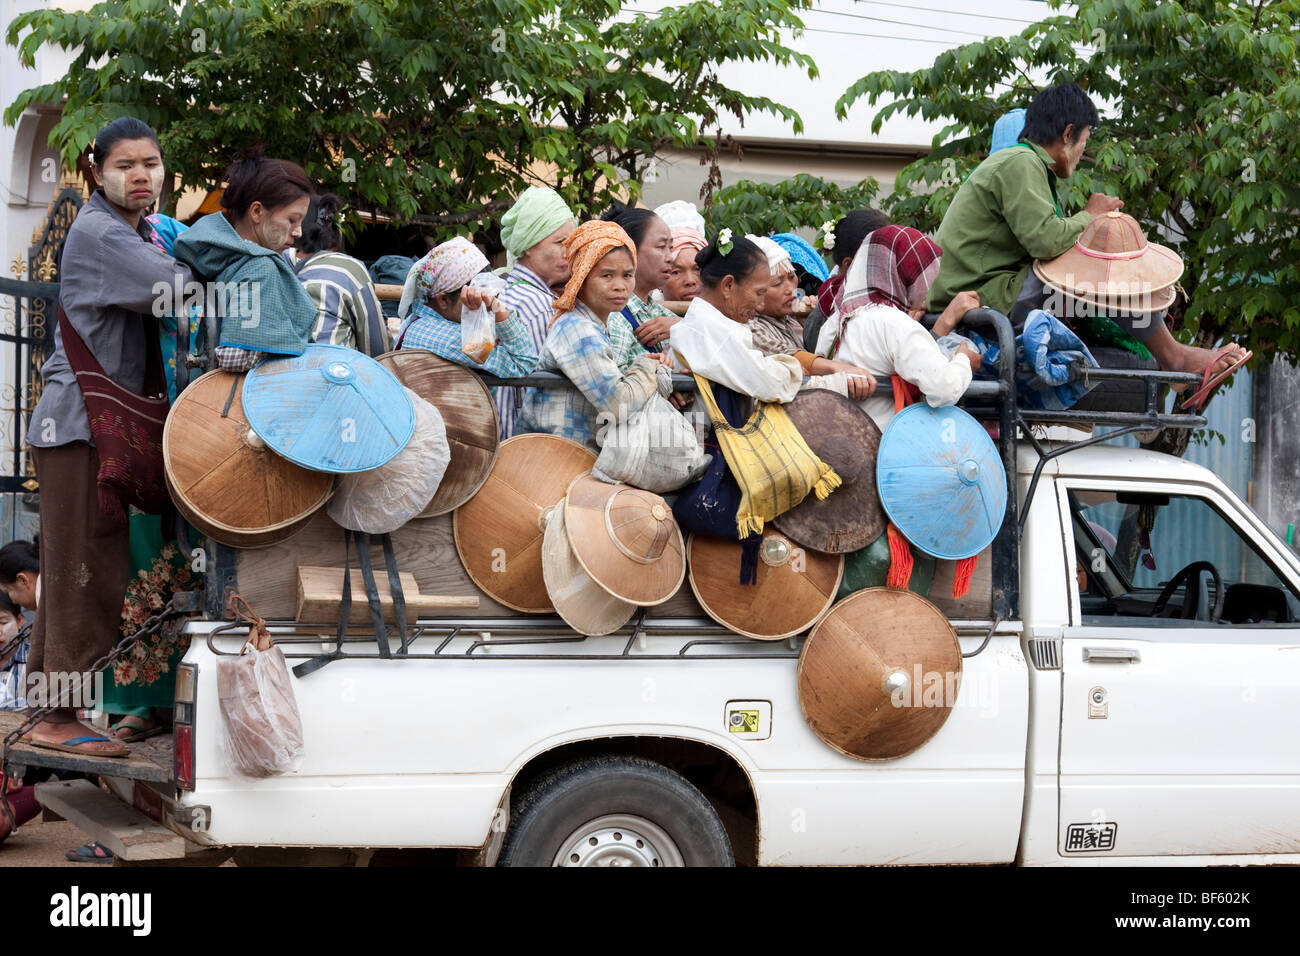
(1007, 214)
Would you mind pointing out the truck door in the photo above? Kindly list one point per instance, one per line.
(1180, 724)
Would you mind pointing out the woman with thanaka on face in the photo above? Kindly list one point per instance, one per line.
(110, 274)
(264, 309)
(714, 339)
(348, 311)
(686, 226)
(776, 329)
(438, 289)
(653, 242)
(533, 232)
(591, 343)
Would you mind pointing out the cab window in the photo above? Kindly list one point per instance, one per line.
(1145, 558)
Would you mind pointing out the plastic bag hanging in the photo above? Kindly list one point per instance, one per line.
(478, 332)
(261, 730)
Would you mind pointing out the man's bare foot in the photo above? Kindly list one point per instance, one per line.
(57, 731)
(1194, 359)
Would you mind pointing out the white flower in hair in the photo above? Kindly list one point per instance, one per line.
(724, 242)
(828, 234)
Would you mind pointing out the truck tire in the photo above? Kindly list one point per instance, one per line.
(1120, 396)
(614, 811)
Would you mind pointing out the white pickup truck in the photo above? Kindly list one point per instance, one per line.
(1130, 694)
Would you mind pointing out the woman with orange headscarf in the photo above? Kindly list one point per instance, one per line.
(592, 345)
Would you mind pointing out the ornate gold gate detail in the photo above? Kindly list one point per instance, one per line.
(27, 316)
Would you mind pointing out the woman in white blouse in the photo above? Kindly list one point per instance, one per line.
(877, 326)
(714, 340)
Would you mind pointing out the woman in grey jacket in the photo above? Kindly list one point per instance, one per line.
(111, 277)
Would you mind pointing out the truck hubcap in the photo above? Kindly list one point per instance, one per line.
(618, 840)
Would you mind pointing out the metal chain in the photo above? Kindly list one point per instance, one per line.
(151, 626)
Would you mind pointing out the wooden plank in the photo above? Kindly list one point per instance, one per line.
(320, 590)
(123, 829)
(149, 759)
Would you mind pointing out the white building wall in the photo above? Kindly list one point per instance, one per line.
(847, 39)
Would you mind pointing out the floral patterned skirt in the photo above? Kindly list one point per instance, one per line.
(146, 676)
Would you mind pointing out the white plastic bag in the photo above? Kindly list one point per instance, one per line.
(385, 498)
(478, 332)
(654, 448)
(261, 730)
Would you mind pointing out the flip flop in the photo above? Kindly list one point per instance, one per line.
(90, 853)
(73, 746)
(1198, 398)
(136, 734)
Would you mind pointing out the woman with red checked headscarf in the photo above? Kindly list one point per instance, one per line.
(877, 325)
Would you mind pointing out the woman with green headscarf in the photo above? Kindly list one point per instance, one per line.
(533, 232)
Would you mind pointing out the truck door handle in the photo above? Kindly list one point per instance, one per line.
(1112, 655)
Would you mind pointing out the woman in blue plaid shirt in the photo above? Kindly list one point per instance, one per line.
(437, 287)
(592, 344)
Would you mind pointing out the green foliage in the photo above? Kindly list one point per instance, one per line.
(801, 201)
(436, 113)
(1197, 137)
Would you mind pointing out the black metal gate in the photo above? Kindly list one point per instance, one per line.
(28, 307)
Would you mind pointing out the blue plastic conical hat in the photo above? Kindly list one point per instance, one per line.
(329, 409)
(941, 481)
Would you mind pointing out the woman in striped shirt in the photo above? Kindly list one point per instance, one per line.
(348, 308)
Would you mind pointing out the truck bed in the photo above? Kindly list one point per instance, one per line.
(150, 760)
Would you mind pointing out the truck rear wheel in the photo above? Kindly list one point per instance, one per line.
(614, 811)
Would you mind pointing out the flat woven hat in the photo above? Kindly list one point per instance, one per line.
(626, 539)
(841, 434)
(222, 476)
(499, 531)
(795, 585)
(1113, 264)
(941, 481)
(585, 606)
(329, 409)
(468, 413)
(880, 674)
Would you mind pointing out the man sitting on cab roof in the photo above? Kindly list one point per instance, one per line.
(1007, 214)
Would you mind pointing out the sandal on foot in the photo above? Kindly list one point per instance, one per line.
(90, 853)
(1209, 383)
(138, 732)
(73, 745)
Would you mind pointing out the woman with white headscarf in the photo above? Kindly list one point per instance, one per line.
(686, 226)
(437, 288)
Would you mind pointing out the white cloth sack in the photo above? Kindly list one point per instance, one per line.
(654, 447)
(385, 498)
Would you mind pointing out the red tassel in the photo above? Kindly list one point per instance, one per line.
(962, 575)
(900, 560)
(110, 505)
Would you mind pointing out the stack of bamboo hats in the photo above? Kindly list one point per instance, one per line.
(1112, 268)
(224, 478)
(609, 549)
